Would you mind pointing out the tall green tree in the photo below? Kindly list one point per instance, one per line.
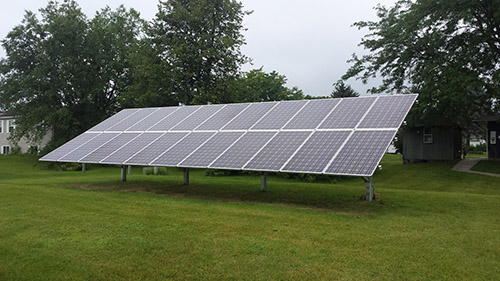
(342, 90)
(257, 85)
(65, 72)
(198, 43)
(447, 51)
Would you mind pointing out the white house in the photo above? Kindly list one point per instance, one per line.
(8, 125)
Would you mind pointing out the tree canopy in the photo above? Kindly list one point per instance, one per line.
(342, 90)
(447, 51)
(257, 85)
(199, 42)
(63, 71)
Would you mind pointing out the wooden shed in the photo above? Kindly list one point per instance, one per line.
(432, 143)
(492, 126)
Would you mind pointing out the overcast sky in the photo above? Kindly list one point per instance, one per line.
(308, 41)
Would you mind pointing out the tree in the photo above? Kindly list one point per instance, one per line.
(341, 90)
(257, 85)
(199, 42)
(64, 72)
(447, 51)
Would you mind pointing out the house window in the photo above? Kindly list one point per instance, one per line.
(10, 126)
(428, 135)
(1, 126)
(5, 149)
(493, 137)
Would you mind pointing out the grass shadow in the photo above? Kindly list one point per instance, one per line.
(338, 197)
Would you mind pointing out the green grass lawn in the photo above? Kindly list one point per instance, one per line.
(431, 224)
(489, 166)
(476, 155)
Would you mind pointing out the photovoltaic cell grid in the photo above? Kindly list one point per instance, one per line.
(108, 148)
(173, 119)
(348, 114)
(68, 147)
(312, 114)
(88, 147)
(387, 112)
(207, 153)
(132, 119)
(279, 115)
(181, 150)
(362, 153)
(249, 116)
(150, 152)
(243, 150)
(248, 136)
(317, 152)
(194, 120)
(222, 117)
(277, 151)
(131, 148)
(113, 120)
(152, 119)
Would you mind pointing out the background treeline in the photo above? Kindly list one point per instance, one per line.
(66, 72)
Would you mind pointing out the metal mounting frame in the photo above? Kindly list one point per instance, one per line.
(370, 188)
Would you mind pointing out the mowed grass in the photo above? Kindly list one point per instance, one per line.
(432, 224)
(489, 166)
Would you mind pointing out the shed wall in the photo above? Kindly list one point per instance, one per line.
(446, 145)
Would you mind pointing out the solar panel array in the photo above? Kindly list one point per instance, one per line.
(345, 136)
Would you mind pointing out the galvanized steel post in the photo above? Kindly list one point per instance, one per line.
(263, 182)
(186, 176)
(124, 173)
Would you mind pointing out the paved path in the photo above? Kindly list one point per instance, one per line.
(466, 164)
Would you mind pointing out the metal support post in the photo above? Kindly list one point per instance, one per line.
(129, 170)
(124, 173)
(84, 167)
(263, 182)
(186, 176)
(370, 188)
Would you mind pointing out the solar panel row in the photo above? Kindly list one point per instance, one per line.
(331, 136)
(302, 151)
(289, 115)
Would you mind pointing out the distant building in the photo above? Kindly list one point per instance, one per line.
(432, 142)
(7, 126)
(492, 126)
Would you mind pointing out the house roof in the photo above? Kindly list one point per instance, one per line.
(7, 113)
(488, 118)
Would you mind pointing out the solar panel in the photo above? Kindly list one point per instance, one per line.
(88, 147)
(195, 120)
(173, 119)
(312, 114)
(277, 151)
(207, 153)
(108, 148)
(348, 114)
(113, 120)
(68, 147)
(243, 150)
(156, 148)
(317, 152)
(222, 117)
(152, 119)
(387, 112)
(249, 116)
(131, 148)
(181, 150)
(132, 119)
(332, 136)
(279, 115)
(362, 153)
